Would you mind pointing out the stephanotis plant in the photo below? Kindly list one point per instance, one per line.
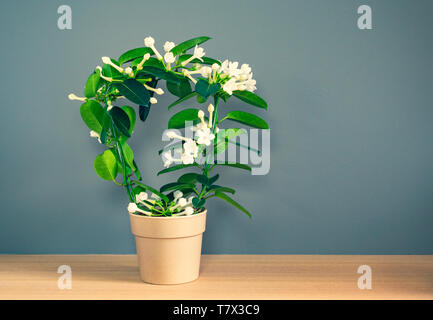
(135, 76)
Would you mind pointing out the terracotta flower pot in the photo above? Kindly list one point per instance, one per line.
(168, 248)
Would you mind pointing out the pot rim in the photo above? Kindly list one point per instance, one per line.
(168, 218)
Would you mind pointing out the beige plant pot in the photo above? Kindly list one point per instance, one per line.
(168, 248)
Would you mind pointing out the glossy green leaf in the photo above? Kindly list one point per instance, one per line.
(189, 96)
(250, 98)
(121, 120)
(213, 179)
(221, 189)
(132, 117)
(106, 165)
(177, 167)
(134, 54)
(247, 118)
(205, 89)
(133, 91)
(143, 112)
(188, 178)
(184, 46)
(161, 74)
(235, 165)
(129, 154)
(151, 189)
(203, 179)
(198, 203)
(179, 90)
(176, 186)
(111, 72)
(206, 60)
(92, 114)
(92, 85)
(232, 202)
(224, 136)
(178, 120)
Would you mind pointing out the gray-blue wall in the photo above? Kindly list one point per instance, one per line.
(351, 114)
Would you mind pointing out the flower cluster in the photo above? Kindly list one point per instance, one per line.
(203, 137)
(153, 205)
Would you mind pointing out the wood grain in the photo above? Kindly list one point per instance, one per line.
(222, 277)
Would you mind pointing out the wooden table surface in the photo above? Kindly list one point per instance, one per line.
(222, 277)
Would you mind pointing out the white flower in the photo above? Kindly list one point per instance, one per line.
(153, 100)
(168, 159)
(94, 134)
(188, 211)
(150, 42)
(168, 46)
(72, 96)
(198, 54)
(108, 61)
(187, 158)
(177, 194)
(145, 58)
(211, 109)
(128, 71)
(205, 136)
(132, 207)
(158, 91)
(188, 73)
(182, 202)
(191, 148)
(230, 86)
(206, 71)
(169, 57)
(141, 196)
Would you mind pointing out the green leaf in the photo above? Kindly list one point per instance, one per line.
(247, 118)
(213, 179)
(188, 178)
(134, 54)
(205, 89)
(92, 85)
(121, 120)
(92, 114)
(177, 121)
(133, 91)
(221, 189)
(176, 186)
(111, 72)
(156, 72)
(153, 190)
(179, 90)
(250, 98)
(106, 165)
(143, 112)
(132, 117)
(198, 203)
(177, 167)
(235, 165)
(232, 202)
(203, 179)
(136, 170)
(224, 136)
(129, 154)
(206, 60)
(182, 47)
(189, 96)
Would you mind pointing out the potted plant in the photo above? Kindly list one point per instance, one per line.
(168, 223)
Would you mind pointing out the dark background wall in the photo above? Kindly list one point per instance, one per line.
(350, 110)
